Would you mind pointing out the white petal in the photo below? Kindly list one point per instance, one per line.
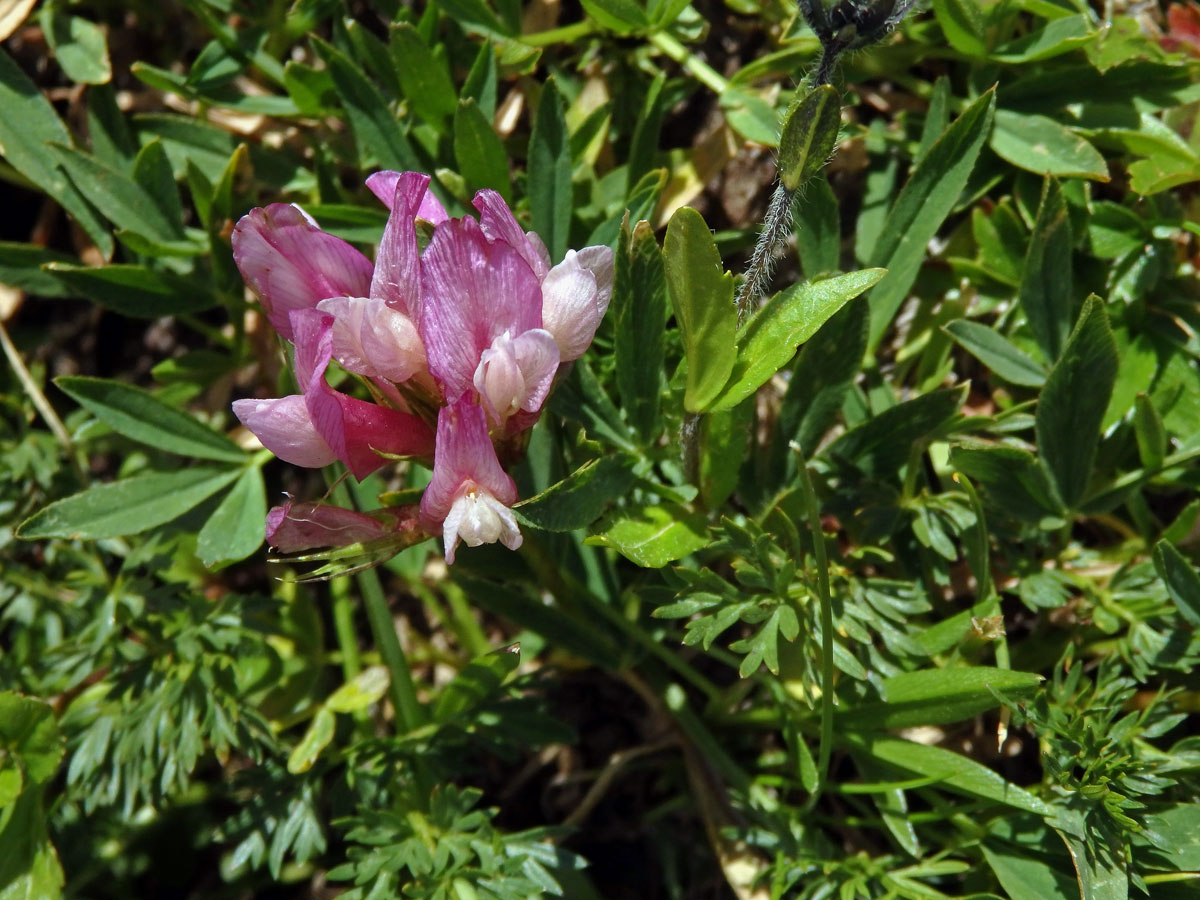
(373, 339)
(571, 306)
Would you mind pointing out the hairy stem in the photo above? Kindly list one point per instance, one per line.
(758, 273)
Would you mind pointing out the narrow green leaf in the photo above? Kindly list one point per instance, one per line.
(152, 172)
(80, 46)
(318, 736)
(723, 439)
(134, 290)
(643, 147)
(962, 24)
(996, 352)
(482, 159)
(810, 131)
(424, 79)
(824, 371)
(1150, 432)
(952, 770)
(125, 507)
(1058, 37)
(1046, 284)
(701, 294)
(770, 337)
(364, 689)
(937, 117)
(1026, 876)
(1072, 404)
(478, 682)
(476, 16)
(940, 696)
(583, 398)
(819, 233)
(881, 445)
(1040, 144)
(639, 310)
(1183, 584)
(651, 535)
(21, 267)
(123, 202)
(379, 135)
(237, 526)
(750, 116)
(1012, 479)
(579, 499)
(549, 172)
(27, 128)
(619, 16)
(923, 204)
(108, 129)
(142, 417)
(482, 81)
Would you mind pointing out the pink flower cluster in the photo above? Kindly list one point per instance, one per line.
(458, 346)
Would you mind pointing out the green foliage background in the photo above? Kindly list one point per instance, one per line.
(888, 592)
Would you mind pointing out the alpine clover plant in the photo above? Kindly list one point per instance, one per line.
(911, 611)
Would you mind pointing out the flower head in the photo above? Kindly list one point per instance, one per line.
(473, 330)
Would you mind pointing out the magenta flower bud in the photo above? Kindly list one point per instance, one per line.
(292, 264)
(295, 527)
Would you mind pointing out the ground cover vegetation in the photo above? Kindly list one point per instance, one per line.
(836, 528)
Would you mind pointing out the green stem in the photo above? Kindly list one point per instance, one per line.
(702, 71)
(567, 34)
(823, 595)
(409, 713)
(343, 626)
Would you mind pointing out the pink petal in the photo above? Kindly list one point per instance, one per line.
(383, 186)
(516, 373)
(397, 277)
(286, 429)
(572, 305)
(472, 290)
(499, 224)
(463, 459)
(373, 339)
(291, 264)
(356, 431)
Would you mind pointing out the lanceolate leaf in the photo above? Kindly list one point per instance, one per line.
(550, 172)
(1046, 283)
(237, 526)
(954, 771)
(143, 417)
(28, 126)
(377, 131)
(939, 696)
(926, 199)
(580, 498)
(125, 507)
(1040, 144)
(768, 340)
(1072, 404)
(809, 133)
(652, 536)
(135, 290)
(702, 297)
(996, 352)
(1181, 579)
(639, 310)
